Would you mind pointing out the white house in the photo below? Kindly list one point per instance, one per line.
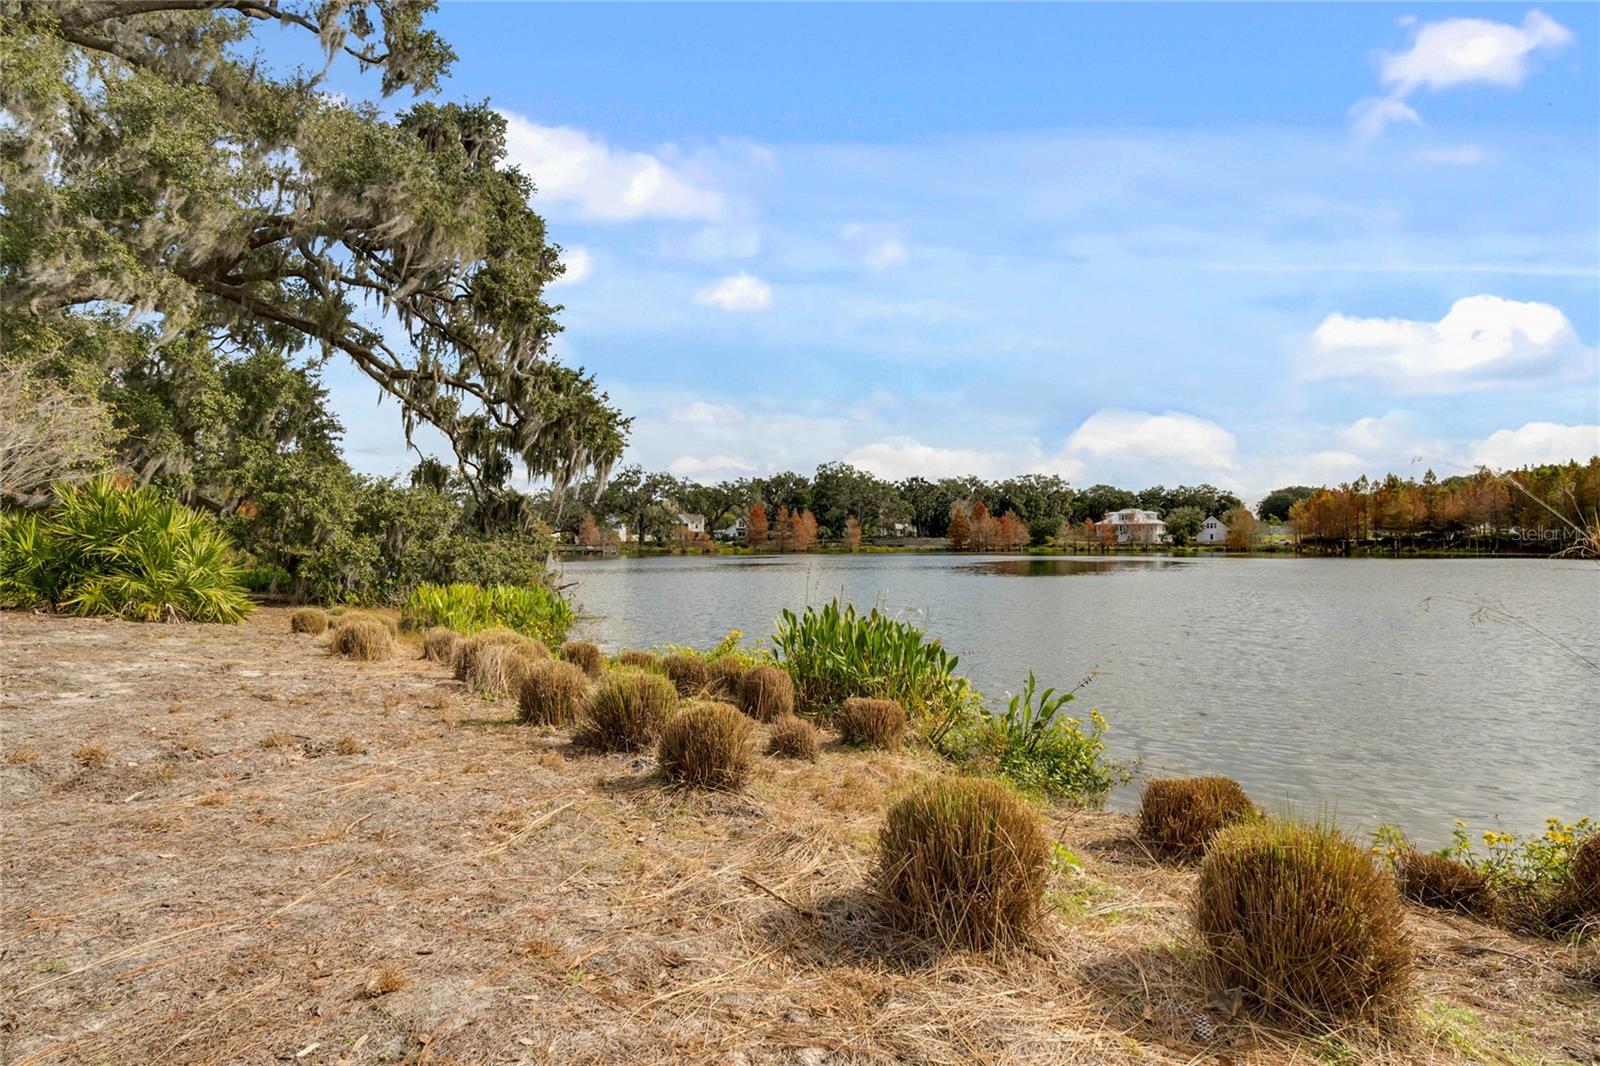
(1134, 526)
(1212, 531)
(736, 531)
(694, 523)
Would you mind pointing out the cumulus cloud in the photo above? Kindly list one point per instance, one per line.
(1455, 52)
(1138, 435)
(572, 169)
(578, 264)
(736, 292)
(1481, 339)
(902, 457)
(1536, 442)
(710, 467)
(701, 413)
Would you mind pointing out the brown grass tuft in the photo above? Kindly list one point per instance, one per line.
(962, 861)
(627, 711)
(765, 693)
(706, 745)
(91, 756)
(872, 723)
(689, 673)
(793, 738)
(277, 741)
(1436, 881)
(1301, 922)
(470, 649)
(553, 693)
(23, 756)
(724, 673)
(308, 620)
(585, 655)
(363, 638)
(439, 645)
(1179, 815)
(639, 660)
(384, 620)
(349, 746)
(1574, 908)
(498, 670)
(384, 980)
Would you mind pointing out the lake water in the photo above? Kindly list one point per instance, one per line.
(1411, 691)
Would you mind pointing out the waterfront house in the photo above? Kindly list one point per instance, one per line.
(1212, 531)
(694, 524)
(1133, 526)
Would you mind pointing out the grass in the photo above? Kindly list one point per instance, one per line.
(689, 673)
(363, 638)
(532, 610)
(706, 745)
(470, 649)
(766, 693)
(553, 693)
(1301, 921)
(1178, 816)
(308, 620)
(439, 645)
(639, 660)
(585, 655)
(724, 673)
(1443, 882)
(793, 738)
(627, 711)
(499, 669)
(870, 723)
(835, 652)
(962, 862)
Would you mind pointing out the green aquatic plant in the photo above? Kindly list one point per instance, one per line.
(834, 653)
(1041, 749)
(532, 610)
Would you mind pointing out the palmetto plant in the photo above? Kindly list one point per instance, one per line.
(108, 548)
(837, 652)
(532, 610)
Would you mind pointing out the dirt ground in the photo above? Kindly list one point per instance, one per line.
(223, 845)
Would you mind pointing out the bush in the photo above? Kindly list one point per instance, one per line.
(345, 615)
(498, 670)
(439, 645)
(363, 638)
(470, 649)
(532, 610)
(639, 660)
(835, 653)
(793, 738)
(706, 745)
(962, 861)
(585, 656)
(1439, 881)
(1303, 922)
(308, 620)
(1539, 880)
(106, 548)
(1575, 906)
(1038, 748)
(765, 693)
(553, 693)
(689, 673)
(1180, 815)
(723, 675)
(871, 723)
(627, 711)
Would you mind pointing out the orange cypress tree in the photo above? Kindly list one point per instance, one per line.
(805, 531)
(589, 532)
(960, 533)
(983, 527)
(755, 525)
(852, 533)
(783, 529)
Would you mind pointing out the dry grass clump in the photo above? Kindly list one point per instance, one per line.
(1302, 924)
(349, 746)
(627, 711)
(585, 655)
(499, 670)
(23, 756)
(765, 693)
(439, 645)
(91, 756)
(872, 723)
(1180, 815)
(706, 745)
(689, 673)
(1575, 906)
(724, 673)
(308, 620)
(470, 649)
(1437, 881)
(384, 980)
(639, 660)
(553, 693)
(363, 637)
(962, 861)
(793, 738)
(371, 616)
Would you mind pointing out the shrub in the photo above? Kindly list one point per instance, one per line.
(639, 660)
(1040, 749)
(689, 673)
(107, 548)
(498, 670)
(627, 711)
(1303, 922)
(962, 861)
(532, 610)
(835, 653)
(1575, 905)
(371, 616)
(723, 675)
(1180, 815)
(585, 656)
(362, 638)
(439, 645)
(1440, 881)
(469, 649)
(765, 693)
(871, 723)
(706, 745)
(553, 693)
(793, 738)
(1537, 879)
(308, 620)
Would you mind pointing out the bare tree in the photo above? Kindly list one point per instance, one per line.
(48, 434)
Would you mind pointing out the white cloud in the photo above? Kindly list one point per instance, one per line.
(711, 466)
(1196, 443)
(1482, 339)
(736, 292)
(578, 263)
(1536, 442)
(571, 168)
(902, 457)
(701, 413)
(1458, 155)
(1454, 52)
(1381, 434)
(879, 247)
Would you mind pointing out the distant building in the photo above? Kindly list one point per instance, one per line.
(736, 531)
(1133, 526)
(694, 523)
(1212, 531)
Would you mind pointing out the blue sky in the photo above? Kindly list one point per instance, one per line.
(1251, 245)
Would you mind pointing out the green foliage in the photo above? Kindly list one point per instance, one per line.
(836, 652)
(1183, 524)
(109, 549)
(267, 578)
(1533, 877)
(1041, 749)
(532, 610)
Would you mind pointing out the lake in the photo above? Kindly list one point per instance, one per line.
(1411, 691)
